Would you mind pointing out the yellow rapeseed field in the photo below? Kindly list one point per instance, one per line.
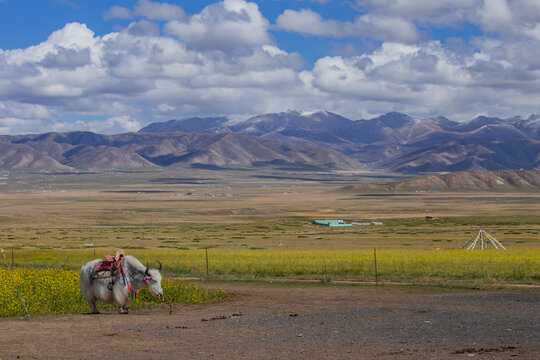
(48, 282)
(515, 266)
(521, 266)
(56, 291)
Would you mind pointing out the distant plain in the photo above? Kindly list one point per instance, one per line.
(242, 209)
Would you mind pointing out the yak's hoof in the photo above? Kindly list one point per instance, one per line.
(123, 311)
(95, 313)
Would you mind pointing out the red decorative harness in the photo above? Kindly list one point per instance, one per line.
(109, 269)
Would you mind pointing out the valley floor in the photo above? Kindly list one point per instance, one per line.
(284, 321)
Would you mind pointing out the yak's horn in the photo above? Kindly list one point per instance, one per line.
(146, 271)
(159, 264)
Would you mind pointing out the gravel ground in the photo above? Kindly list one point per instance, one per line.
(295, 322)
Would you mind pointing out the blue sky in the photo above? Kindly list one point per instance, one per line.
(116, 65)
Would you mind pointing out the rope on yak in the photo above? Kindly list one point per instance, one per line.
(133, 294)
(126, 283)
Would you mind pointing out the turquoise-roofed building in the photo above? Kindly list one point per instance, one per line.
(330, 223)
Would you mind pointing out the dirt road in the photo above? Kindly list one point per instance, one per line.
(295, 322)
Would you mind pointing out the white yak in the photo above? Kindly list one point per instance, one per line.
(114, 290)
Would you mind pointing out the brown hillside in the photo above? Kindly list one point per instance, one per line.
(502, 180)
(104, 157)
(475, 180)
(89, 151)
(20, 156)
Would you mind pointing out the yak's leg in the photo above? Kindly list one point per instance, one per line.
(120, 298)
(91, 300)
(93, 307)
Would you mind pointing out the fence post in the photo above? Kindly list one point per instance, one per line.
(207, 273)
(375, 260)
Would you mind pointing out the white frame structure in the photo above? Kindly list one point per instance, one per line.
(484, 239)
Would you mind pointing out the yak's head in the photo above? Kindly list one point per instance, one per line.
(153, 280)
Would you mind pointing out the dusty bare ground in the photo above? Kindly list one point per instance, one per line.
(295, 322)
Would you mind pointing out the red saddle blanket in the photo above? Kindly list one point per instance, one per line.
(108, 268)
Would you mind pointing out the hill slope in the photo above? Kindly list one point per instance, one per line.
(90, 151)
(504, 180)
(20, 156)
(466, 155)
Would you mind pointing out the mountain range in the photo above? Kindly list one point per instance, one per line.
(393, 141)
(90, 151)
(318, 140)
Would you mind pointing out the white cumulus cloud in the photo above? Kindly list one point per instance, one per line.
(147, 9)
(158, 11)
(228, 25)
(137, 75)
(308, 22)
(225, 61)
